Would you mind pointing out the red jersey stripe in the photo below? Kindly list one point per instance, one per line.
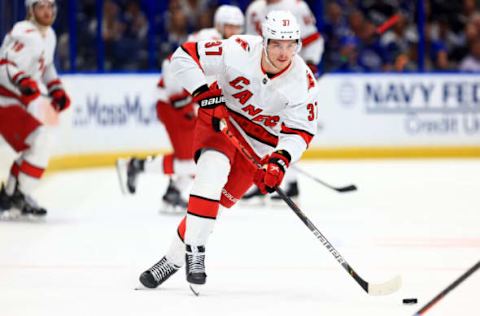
(310, 39)
(253, 130)
(53, 83)
(14, 79)
(307, 137)
(7, 62)
(191, 49)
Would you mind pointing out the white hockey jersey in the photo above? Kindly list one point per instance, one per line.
(312, 41)
(26, 51)
(271, 113)
(170, 90)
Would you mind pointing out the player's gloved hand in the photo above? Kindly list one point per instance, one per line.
(60, 100)
(270, 177)
(29, 89)
(211, 101)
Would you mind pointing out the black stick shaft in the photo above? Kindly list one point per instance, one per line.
(299, 212)
(322, 239)
(442, 294)
(343, 189)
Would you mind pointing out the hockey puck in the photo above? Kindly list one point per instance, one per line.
(410, 301)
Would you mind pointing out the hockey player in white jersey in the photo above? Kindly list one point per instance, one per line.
(176, 110)
(312, 41)
(312, 51)
(268, 97)
(26, 64)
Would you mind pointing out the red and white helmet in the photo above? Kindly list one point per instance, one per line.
(281, 25)
(228, 14)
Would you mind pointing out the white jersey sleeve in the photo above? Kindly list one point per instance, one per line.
(193, 62)
(50, 76)
(173, 90)
(299, 119)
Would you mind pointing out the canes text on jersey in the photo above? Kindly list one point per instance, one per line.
(244, 95)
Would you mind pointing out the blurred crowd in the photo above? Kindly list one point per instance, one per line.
(353, 42)
(451, 35)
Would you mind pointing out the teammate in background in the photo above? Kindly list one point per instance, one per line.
(312, 51)
(176, 109)
(267, 95)
(26, 63)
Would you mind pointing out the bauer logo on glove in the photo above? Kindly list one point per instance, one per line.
(213, 101)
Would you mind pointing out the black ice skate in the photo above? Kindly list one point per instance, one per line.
(253, 197)
(291, 191)
(25, 205)
(5, 201)
(128, 171)
(158, 273)
(172, 200)
(195, 267)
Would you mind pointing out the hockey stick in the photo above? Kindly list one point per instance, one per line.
(388, 24)
(347, 188)
(385, 288)
(442, 294)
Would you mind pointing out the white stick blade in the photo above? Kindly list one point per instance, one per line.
(121, 166)
(385, 288)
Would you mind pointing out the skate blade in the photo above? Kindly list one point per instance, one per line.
(169, 209)
(14, 215)
(121, 167)
(195, 288)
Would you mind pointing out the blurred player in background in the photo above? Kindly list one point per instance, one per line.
(267, 96)
(26, 65)
(176, 110)
(312, 51)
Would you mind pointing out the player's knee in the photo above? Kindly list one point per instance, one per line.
(40, 141)
(213, 168)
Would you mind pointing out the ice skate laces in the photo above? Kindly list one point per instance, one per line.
(162, 269)
(196, 259)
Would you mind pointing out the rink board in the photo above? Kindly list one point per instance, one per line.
(360, 116)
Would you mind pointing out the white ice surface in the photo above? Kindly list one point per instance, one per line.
(418, 218)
